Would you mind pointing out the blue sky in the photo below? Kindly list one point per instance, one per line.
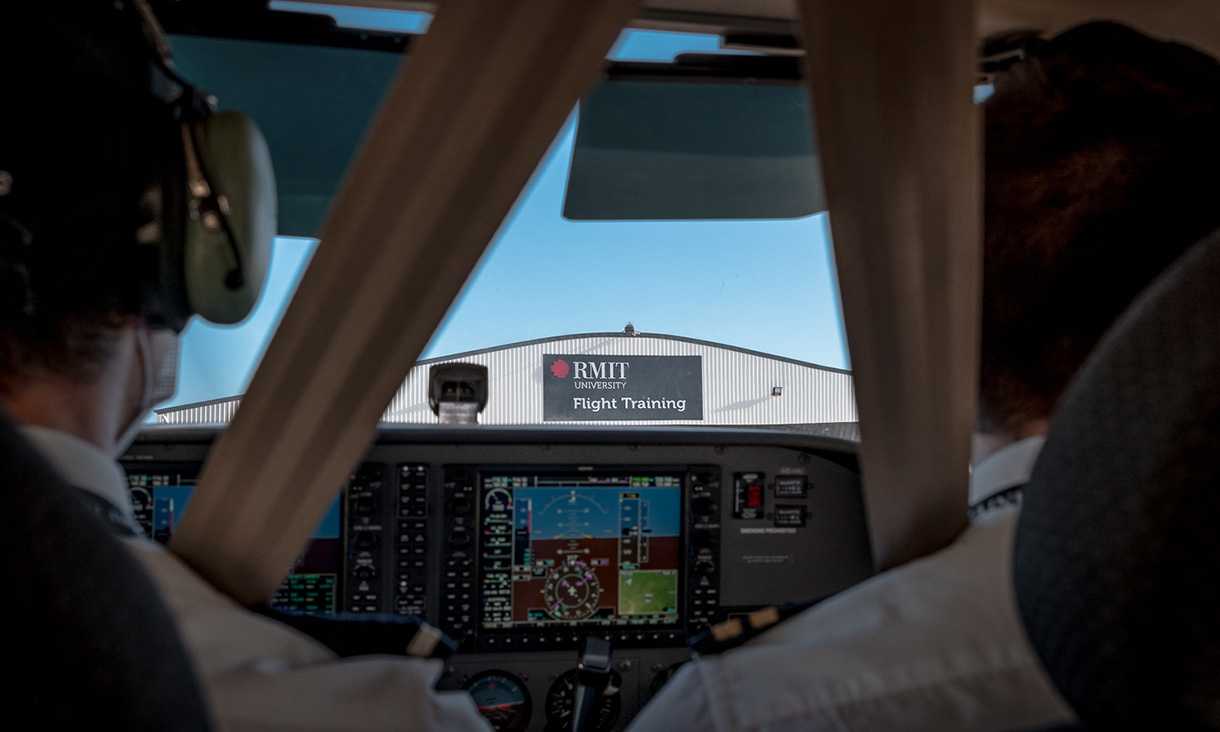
(763, 285)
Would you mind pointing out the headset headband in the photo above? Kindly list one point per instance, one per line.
(203, 218)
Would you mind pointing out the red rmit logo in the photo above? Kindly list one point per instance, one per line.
(560, 368)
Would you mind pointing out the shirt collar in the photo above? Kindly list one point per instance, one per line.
(83, 465)
(1007, 467)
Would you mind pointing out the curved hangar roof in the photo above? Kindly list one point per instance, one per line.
(618, 378)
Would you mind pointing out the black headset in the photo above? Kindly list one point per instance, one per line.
(208, 208)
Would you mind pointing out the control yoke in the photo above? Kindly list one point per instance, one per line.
(592, 679)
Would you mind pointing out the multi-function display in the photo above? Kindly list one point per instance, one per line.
(599, 548)
(161, 496)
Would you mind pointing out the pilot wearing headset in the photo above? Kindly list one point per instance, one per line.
(1100, 170)
(126, 207)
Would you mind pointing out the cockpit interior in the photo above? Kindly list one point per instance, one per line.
(752, 173)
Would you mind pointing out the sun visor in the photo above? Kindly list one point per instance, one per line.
(664, 150)
(313, 104)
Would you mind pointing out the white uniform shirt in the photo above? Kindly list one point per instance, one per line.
(934, 645)
(260, 675)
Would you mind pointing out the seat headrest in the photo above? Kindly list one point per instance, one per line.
(1117, 559)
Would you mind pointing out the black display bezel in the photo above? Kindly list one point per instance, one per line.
(560, 631)
(195, 469)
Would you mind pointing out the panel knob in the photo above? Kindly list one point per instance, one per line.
(460, 506)
(703, 506)
(459, 539)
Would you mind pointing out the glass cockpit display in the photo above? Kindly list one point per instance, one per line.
(582, 549)
(160, 496)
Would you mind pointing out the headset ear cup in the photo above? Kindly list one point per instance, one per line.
(238, 168)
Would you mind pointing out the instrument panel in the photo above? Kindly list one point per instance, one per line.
(519, 542)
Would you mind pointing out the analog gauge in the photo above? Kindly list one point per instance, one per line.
(497, 499)
(562, 696)
(663, 677)
(141, 499)
(571, 590)
(501, 698)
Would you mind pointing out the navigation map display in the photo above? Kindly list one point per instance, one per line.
(597, 548)
(160, 496)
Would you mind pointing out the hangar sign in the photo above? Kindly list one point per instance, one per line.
(585, 387)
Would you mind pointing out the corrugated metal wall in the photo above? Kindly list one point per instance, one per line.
(219, 411)
(737, 384)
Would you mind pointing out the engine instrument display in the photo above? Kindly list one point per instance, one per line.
(160, 496)
(592, 548)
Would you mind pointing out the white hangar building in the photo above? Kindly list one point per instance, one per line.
(624, 378)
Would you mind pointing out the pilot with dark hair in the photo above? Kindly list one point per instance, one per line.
(91, 167)
(1101, 155)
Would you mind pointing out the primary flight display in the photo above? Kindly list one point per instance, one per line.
(580, 549)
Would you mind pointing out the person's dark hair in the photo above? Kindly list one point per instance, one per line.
(75, 124)
(1102, 165)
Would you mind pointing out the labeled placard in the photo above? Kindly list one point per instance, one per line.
(584, 387)
(790, 516)
(749, 501)
(791, 486)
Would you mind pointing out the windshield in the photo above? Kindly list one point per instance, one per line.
(755, 301)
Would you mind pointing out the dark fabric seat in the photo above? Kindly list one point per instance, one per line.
(89, 643)
(1117, 560)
